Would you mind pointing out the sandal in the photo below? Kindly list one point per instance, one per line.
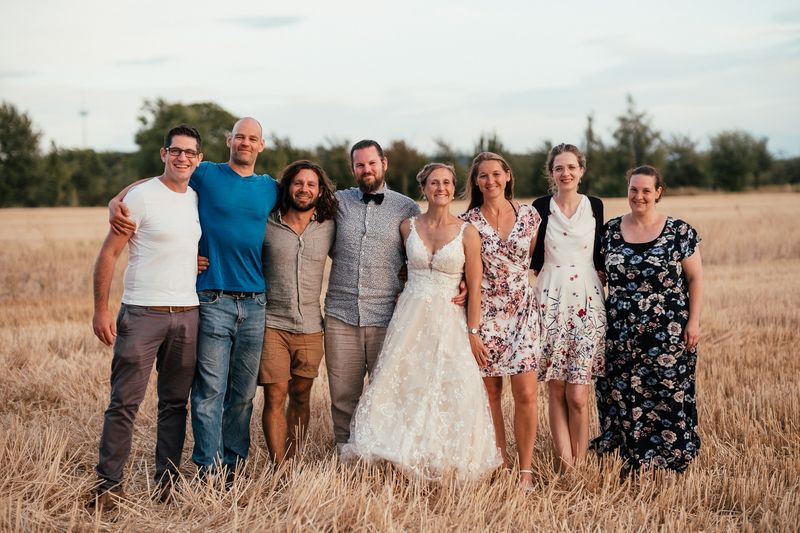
(526, 487)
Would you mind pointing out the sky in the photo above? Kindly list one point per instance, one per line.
(321, 71)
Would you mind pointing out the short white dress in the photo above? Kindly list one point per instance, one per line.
(571, 299)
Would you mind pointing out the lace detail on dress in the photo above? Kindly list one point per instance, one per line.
(425, 408)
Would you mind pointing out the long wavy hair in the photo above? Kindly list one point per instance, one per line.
(326, 204)
(472, 192)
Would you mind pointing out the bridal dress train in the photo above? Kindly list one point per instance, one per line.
(425, 408)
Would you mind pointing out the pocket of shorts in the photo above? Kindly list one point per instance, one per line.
(261, 299)
(208, 297)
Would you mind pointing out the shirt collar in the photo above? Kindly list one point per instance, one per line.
(279, 217)
(382, 190)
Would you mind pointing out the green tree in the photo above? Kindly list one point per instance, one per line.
(278, 153)
(19, 157)
(685, 165)
(638, 143)
(75, 177)
(737, 160)
(158, 116)
(599, 163)
(445, 153)
(53, 189)
(334, 157)
(404, 164)
(784, 171)
(490, 142)
(536, 183)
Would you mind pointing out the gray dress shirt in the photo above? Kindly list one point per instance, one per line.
(367, 256)
(293, 268)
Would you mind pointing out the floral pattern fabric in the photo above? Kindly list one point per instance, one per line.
(510, 326)
(646, 401)
(571, 299)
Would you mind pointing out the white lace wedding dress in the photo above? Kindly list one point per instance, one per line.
(425, 408)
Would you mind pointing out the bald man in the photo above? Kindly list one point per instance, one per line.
(233, 205)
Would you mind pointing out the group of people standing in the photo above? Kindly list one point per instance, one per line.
(432, 404)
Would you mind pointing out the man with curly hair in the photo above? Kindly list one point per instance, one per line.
(299, 236)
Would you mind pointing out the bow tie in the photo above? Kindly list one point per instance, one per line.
(375, 197)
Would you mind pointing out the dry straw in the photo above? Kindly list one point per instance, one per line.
(54, 388)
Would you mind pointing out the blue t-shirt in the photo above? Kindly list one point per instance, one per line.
(233, 214)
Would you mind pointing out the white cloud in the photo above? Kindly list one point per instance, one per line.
(417, 70)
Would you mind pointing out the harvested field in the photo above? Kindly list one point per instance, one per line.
(55, 388)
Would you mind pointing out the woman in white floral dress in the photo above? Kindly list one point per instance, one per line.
(510, 328)
(571, 302)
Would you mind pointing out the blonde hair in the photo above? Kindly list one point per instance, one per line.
(427, 170)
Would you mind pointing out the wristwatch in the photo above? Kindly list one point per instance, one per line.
(472, 331)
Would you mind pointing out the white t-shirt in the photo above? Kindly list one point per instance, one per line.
(162, 254)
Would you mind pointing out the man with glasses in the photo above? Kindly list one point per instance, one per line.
(158, 318)
(233, 204)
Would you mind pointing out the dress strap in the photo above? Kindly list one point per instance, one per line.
(514, 208)
(462, 228)
(413, 222)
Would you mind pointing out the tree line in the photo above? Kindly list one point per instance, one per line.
(735, 160)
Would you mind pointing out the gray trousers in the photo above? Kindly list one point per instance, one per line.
(350, 354)
(169, 339)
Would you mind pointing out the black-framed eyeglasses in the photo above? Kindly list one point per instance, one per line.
(174, 151)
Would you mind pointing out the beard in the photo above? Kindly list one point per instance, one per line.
(374, 185)
(302, 207)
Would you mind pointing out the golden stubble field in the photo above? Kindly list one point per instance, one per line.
(54, 388)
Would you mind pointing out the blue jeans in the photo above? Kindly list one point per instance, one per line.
(229, 342)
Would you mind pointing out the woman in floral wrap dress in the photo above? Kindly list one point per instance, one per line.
(510, 328)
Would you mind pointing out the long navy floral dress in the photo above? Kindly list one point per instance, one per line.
(646, 400)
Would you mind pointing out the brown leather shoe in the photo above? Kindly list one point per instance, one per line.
(106, 501)
(165, 491)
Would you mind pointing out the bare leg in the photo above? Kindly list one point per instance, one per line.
(273, 419)
(494, 389)
(298, 412)
(560, 423)
(523, 387)
(577, 397)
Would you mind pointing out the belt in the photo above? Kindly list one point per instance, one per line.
(240, 295)
(170, 308)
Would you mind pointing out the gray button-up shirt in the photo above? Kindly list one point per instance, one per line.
(293, 269)
(367, 256)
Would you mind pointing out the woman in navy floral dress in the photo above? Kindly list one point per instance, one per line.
(646, 400)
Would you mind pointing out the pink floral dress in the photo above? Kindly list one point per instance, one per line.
(510, 326)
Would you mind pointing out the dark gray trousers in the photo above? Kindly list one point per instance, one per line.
(169, 339)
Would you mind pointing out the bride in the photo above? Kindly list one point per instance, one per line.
(425, 408)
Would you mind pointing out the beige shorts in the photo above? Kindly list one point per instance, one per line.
(289, 354)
